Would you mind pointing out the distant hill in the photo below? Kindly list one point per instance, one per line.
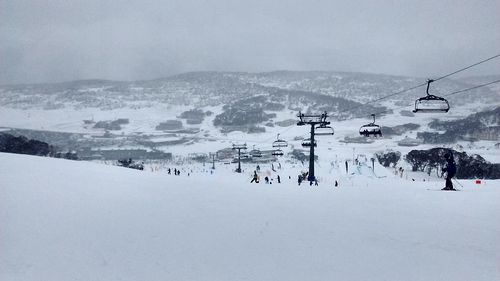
(480, 126)
(315, 90)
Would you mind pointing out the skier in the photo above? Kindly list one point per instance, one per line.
(168, 171)
(336, 183)
(279, 179)
(266, 179)
(450, 170)
(346, 167)
(299, 180)
(255, 177)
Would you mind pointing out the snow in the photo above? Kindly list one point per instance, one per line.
(71, 220)
(210, 139)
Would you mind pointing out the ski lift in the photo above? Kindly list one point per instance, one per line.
(278, 152)
(307, 143)
(279, 142)
(370, 129)
(431, 103)
(255, 152)
(323, 130)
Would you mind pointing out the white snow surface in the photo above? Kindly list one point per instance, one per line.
(71, 220)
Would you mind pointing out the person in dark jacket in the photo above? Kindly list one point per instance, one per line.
(450, 170)
(255, 177)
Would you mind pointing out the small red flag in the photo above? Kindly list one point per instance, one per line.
(478, 181)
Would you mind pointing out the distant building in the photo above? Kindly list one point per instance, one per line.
(409, 142)
(357, 140)
(117, 154)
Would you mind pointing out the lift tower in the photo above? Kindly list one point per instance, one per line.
(213, 155)
(316, 122)
(239, 147)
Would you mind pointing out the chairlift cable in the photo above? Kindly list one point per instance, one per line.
(449, 94)
(467, 67)
(422, 84)
(473, 88)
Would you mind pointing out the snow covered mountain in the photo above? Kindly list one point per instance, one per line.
(201, 89)
(202, 112)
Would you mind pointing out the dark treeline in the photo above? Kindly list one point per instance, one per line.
(468, 166)
(23, 145)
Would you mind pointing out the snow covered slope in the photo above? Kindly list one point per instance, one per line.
(68, 220)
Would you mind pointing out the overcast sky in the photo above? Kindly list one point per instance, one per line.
(60, 40)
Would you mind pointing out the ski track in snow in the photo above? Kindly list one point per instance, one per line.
(70, 220)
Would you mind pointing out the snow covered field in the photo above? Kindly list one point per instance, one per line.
(69, 220)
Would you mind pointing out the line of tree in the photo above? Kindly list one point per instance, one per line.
(468, 166)
(22, 145)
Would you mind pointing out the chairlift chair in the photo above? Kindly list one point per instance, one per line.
(323, 131)
(307, 143)
(279, 142)
(431, 103)
(370, 129)
(255, 152)
(278, 152)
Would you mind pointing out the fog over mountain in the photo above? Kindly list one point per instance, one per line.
(59, 40)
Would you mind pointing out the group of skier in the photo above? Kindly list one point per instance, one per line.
(176, 172)
(256, 178)
(304, 176)
(450, 170)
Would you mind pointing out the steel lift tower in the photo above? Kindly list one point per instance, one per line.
(319, 127)
(239, 147)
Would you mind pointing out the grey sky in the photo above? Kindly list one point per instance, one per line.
(59, 40)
